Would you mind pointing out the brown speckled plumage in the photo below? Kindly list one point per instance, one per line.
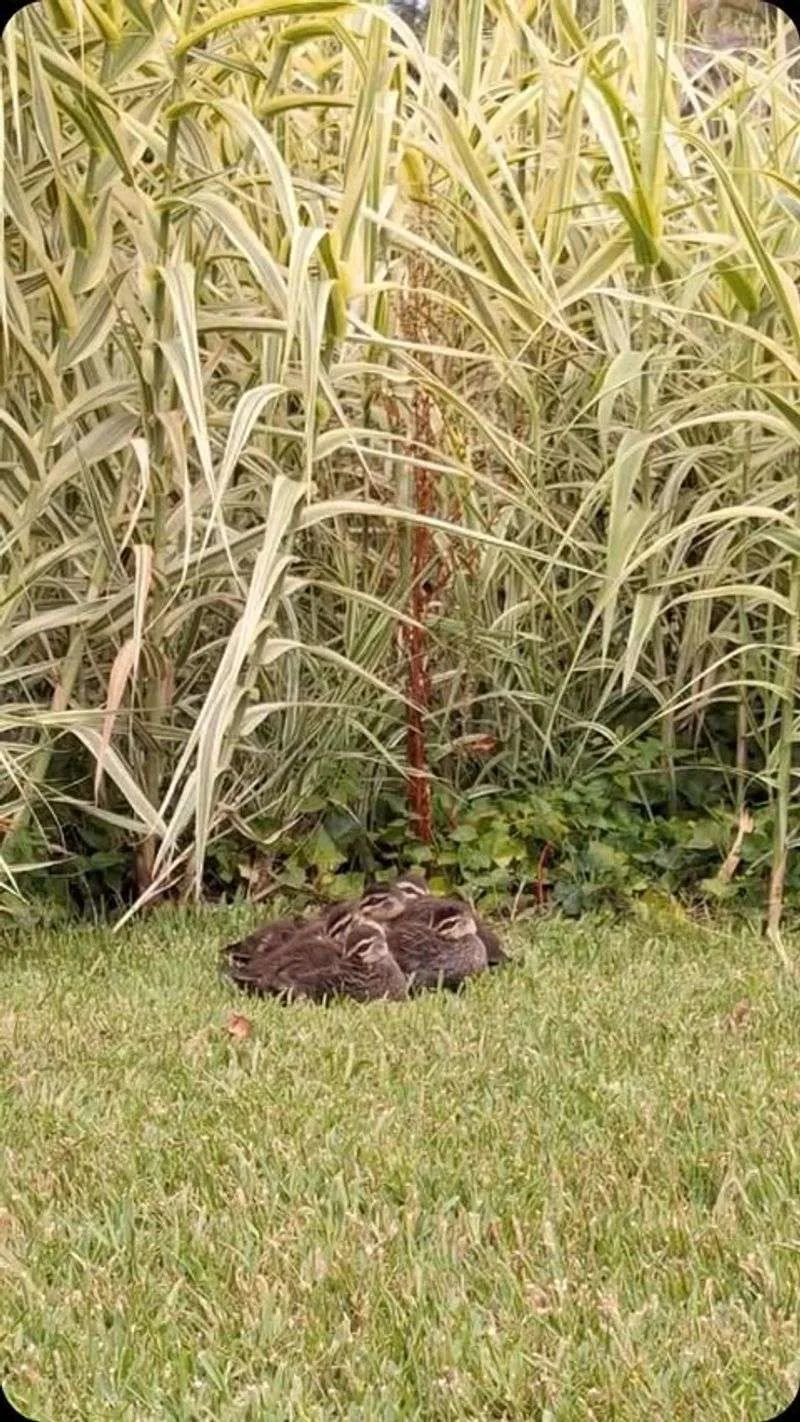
(394, 937)
(426, 907)
(311, 963)
(263, 940)
(436, 945)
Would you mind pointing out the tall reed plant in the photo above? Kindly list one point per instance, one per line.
(211, 429)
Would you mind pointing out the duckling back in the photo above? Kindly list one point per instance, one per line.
(244, 956)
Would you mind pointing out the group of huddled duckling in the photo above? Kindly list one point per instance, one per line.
(394, 940)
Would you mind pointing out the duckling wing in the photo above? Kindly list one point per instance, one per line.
(315, 973)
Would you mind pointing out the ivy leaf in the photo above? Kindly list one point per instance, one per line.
(321, 853)
(344, 886)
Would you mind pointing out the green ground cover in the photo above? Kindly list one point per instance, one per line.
(570, 1192)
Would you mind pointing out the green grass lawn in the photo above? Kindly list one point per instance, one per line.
(571, 1192)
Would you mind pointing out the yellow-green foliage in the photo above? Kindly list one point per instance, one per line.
(222, 225)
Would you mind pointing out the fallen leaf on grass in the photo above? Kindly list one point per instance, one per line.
(738, 1015)
(239, 1027)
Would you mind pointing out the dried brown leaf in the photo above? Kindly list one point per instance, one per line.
(738, 1015)
(238, 1026)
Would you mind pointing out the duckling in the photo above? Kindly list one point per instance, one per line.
(312, 963)
(372, 971)
(438, 946)
(264, 939)
(413, 885)
(387, 901)
(420, 902)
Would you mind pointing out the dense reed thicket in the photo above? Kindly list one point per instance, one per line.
(357, 374)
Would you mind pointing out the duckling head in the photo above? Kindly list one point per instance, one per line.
(408, 890)
(384, 902)
(456, 923)
(366, 940)
(376, 902)
(411, 886)
(339, 920)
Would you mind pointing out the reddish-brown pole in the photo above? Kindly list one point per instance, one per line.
(419, 683)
